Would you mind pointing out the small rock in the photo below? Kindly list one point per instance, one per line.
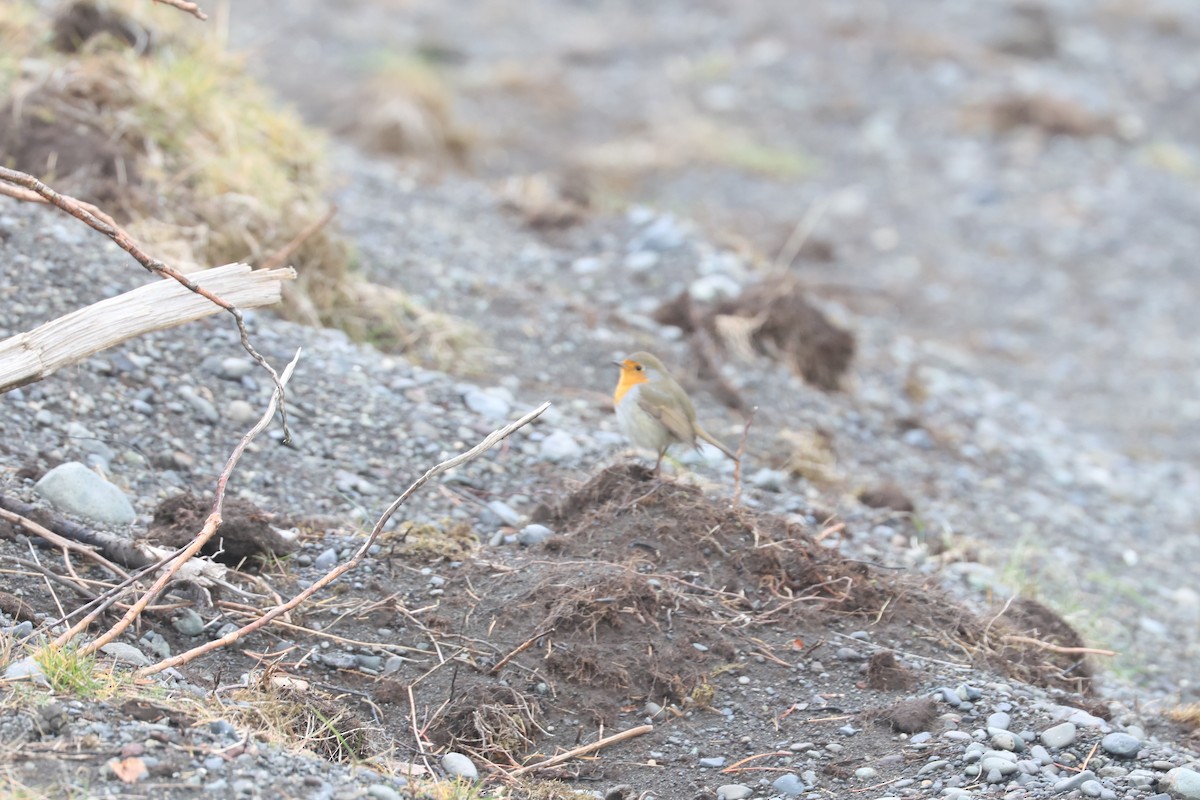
(379, 791)
(26, 669)
(203, 407)
(865, 773)
(1059, 736)
(532, 535)
(1181, 783)
(560, 446)
(999, 720)
(641, 260)
(714, 287)
(327, 560)
(459, 766)
(714, 762)
(1074, 782)
(493, 404)
(188, 622)
(789, 784)
(240, 411)
(156, 644)
(234, 368)
(505, 512)
(733, 791)
(74, 489)
(126, 653)
(770, 480)
(1121, 745)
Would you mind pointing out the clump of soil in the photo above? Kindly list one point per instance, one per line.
(772, 318)
(245, 532)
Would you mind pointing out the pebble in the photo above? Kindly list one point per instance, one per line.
(733, 791)
(457, 765)
(559, 446)
(789, 784)
(327, 560)
(532, 535)
(1059, 736)
(202, 406)
(1121, 745)
(505, 512)
(188, 622)
(74, 489)
(1181, 783)
(379, 791)
(493, 404)
(715, 762)
(26, 669)
(126, 653)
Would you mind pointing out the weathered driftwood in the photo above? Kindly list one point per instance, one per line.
(31, 356)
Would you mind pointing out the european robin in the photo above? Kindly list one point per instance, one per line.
(653, 409)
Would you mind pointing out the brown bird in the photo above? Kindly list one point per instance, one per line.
(653, 409)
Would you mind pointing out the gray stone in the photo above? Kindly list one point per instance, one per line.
(188, 622)
(1074, 782)
(154, 642)
(126, 653)
(327, 560)
(715, 762)
(1004, 740)
(1181, 783)
(202, 406)
(241, 412)
(770, 480)
(459, 766)
(1091, 788)
(999, 720)
(532, 535)
(733, 791)
(1059, 736)
(74, 489)
(560, 446)
(1121, 745)
(865, 773)
(491, 404)
(505, 512)
(26, 669)
(380, 792)
(789, 784)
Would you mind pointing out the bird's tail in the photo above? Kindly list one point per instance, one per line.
(706, 436)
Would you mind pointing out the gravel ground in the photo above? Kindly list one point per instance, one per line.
(1024, 395)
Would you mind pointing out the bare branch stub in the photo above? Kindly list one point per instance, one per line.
(105, 225)
(183, 5)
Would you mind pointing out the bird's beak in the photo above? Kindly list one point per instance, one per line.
(618, 363)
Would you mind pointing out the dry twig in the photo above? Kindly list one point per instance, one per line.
(342, 569)
(183, 5)
(285, 252)
(583, 750)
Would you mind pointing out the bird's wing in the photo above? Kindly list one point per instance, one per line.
(660, 405)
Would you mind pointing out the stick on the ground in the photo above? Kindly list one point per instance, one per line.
(340, 570)
(31, 356)
(583, 750)
(183, 5)
(210, 527)
(278, 258)
(741, 451)
(129, 245)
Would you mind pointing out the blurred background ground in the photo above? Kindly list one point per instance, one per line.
(1014, 180)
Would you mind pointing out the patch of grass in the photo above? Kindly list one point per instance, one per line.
(73, 672)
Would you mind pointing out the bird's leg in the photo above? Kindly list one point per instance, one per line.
(658, 464)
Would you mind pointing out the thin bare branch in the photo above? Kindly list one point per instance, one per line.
(284, 253)
(183, 5)
(583, 750)
(127, 243)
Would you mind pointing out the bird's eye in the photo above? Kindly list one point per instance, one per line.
(639, 368)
